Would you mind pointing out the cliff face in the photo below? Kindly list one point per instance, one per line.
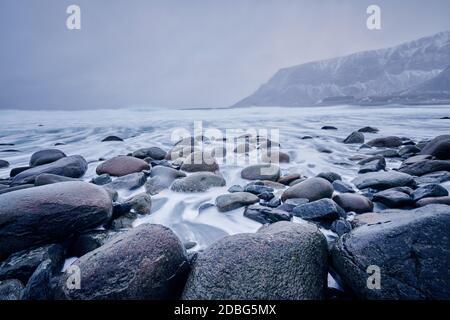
(371, 73)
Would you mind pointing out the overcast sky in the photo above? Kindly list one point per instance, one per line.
(183, 53)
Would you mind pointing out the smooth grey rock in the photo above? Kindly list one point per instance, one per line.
(375, 165)
(199, 161)
(287, 179)
(153, 152)
(102, 179)
(342, 187)
(353, 202)
(266, 215)
(231, 201)
(330, 176)
(261, 172)
(112, 138)
(323, 209)
(198, 182)
(146, 263)
(16, 188)
(128, 182)
(312, 189)
(354, 137)
(140, 203)
(429, 191)
(369, 130)
(411, 248)
(434, 177)
(383, 180)
(386, 142)
(122, 165)
(72, 167)
(425, 167)
(40, 286)
(236, 188)
(393, 198)
(46, 156)
(439, 147)
(341, 227)
(438, 200)
(4, 164)
(90, 240)
(284, 261)
(50, 213)
(408, 151)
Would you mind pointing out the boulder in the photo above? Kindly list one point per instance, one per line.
(72, 167)
(341, 227)
(50, 213)
(266, 215)
(312, 189)
(46, 156)
(383, 180)
(393, 198)
(410, 248)
(425, 167)
(128, 182)
(343, 187)
(231, 201)
(353, 202)
(287, 179)
(153, 152)
(429, 191)
(386, 142)
(330, 176)
(377, 164)
(284, 261)
(199, 161)
(40, 286)
(112, 138)
(274, 156)
(198, 182)
(369, 130)
(354, 137)
(122, 165)
(323, 209)
(434, 177)
(21, 265)
(261, 172)
(146, 263)
(439, 147)
(4, 164)
(101, 179)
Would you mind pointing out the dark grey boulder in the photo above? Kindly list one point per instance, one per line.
(330, 176)
(408, 151)
(231, 201)
(312, 189)
(290, 204)
(377, 164)
(410, 248)
(46, 156)
(261, 172)
(387, 153)
(434, 177)
(353, 202)
(153, 152)
(21, 265)
(4, 164)
(328, 128)
(284, 261)
(429, 191)
(11, 290)
(101, 179)
(386, 142)
(425, 167)
(417, 158)
(146, 263)
(128, 182)
(122, 165)
(112, 138)
(72, 167)
(140, 203)
(323, 209)
(439, 147)
(49, 178)
(199, 161)
(89, 241)
(15, 171)
(393, 198)
(257, 189)
(369, 130)
(383, 180)
(266, 215)
(40, 285)
(50, 213)
(287, 179)
(354, 137)
(198, 182)
(343, 187)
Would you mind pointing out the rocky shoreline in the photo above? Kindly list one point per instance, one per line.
(395, 219)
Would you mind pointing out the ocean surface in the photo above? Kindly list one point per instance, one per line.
(82, 132)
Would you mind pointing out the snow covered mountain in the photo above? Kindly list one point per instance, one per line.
(371, 73)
